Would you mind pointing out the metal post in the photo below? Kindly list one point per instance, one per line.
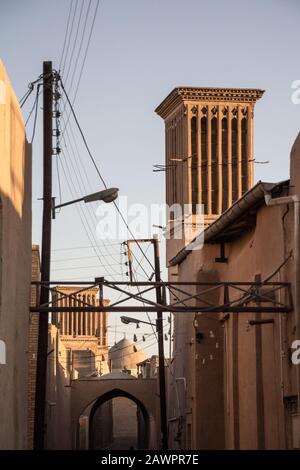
(41, 372)
(161, 356)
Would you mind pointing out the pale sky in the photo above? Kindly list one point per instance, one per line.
(140, 50)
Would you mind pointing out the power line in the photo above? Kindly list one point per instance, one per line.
(92, 239)
(125, 347)
(66, 33)
(58, 178)
(82, 215)
(81, 278)
(92, 356)
(84, 58)
(147, 277)
(83, 137)
(31, 85)
(99, 174)
(75, 41)
(119, 357)
(35, 114)
(24, 98)
(35, 109)
(79, 164)
(81, 185)
(80, 45)
(139, 264)
(82, 247)
(69, 38)
(32, 109)
(63, 260)
(76, 149)
(68, 268)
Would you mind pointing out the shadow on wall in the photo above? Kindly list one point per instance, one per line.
(15, 274)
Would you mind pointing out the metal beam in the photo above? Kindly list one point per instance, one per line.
(239, 297)
(163, 283)
(166, 308)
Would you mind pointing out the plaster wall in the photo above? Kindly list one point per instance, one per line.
(15, 266)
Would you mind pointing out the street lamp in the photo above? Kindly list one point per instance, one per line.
(127, 320)
(161, 372)
(107, 195)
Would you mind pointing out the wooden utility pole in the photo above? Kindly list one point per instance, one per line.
(41, 371)
(161, 356)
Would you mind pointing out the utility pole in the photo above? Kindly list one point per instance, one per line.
(160, 334)
(161, 356)
(41, 371)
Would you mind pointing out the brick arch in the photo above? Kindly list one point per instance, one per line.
(121, 393)
(86, 392)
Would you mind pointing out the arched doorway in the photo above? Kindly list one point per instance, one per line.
(89, 393)
(118, 420)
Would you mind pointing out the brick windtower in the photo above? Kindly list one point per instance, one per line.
(209, 146)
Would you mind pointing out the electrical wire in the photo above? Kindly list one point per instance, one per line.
(81, 278)
(73, 144)
(84, 58)
(82, 247)
(36, 113)
(118, 349)
(31, 85)
(78, 163)
(128, 346)
(139, 262)
(81, 214)
(74, 42)
(68, 268)
(80, 184)
(95, 165)
(69, 39)
(66, 34)
(24, 98)
(91, 236)
(32, 109)
(144, 271)
(98, 171)
(120, 357)
(80, 46)
(63, 260)
(58, 179)
(134, 274)
(83, 136)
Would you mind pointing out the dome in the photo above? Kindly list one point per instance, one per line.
(122, 356)
(119, 347)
